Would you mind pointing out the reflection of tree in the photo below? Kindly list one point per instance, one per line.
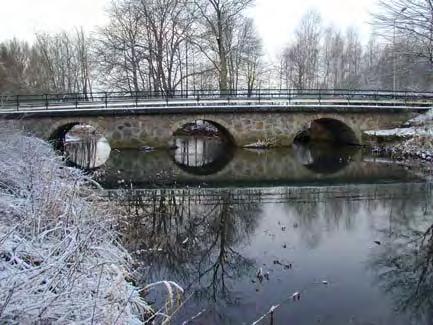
(316, 211)
(88, 152)
(191, 237)
(319, 209)
(227, 228)
(83, 152)
(403, 264)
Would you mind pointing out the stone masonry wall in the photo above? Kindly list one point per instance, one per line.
(157, 130)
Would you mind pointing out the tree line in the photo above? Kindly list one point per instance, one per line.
(172, 46)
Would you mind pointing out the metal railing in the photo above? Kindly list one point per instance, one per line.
(101, 100)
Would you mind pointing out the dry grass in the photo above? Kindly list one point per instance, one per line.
(59, 256)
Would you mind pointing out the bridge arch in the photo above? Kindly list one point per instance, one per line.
(218, 124)
(193, 153)
(57, 133)
(328, 129)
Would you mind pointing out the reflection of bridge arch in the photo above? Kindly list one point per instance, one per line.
(328, 129)
(247, 168)
(210, 166)
(325, 159)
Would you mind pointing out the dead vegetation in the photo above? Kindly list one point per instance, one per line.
(60, 260)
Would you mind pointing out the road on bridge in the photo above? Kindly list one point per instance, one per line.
(241, 99)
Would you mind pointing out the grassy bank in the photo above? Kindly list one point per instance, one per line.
(60, 260)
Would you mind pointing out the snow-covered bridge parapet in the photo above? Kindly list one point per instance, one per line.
(187, 98)
(155, 126)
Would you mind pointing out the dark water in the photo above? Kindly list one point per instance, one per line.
(214, 242)
(243, 230)
(210, 163)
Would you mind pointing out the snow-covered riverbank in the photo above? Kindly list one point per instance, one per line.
(412, 141)
(60, 260)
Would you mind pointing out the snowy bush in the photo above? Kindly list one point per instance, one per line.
(60, 261)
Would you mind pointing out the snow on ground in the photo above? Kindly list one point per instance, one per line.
(416, 147)
(413, 141)
(60, 261)
(403, 132)
(422, 119)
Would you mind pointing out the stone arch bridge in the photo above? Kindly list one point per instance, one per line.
(128, 128)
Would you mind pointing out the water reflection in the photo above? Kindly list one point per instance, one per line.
(403, 263)
(325, 158)
(213, 242)
(192, 239)
(276, 167)
(85, 148)
(200, 155)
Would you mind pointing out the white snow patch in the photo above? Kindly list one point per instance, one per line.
(403, 132)
(422, 119)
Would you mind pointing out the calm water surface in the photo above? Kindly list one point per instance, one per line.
(214, 242)
(242, 231)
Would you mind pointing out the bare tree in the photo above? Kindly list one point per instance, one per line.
(145, 45)
(352, 57)
(370, 61)
(302, 55)
(84, 61)
(412, 19)
(408, 27)
(251, 56)
(62, 63)
(244, 59)
(218, 20)
(55, 63)
(332, 59)
(168, 24)
(120, 54)
(14, 66)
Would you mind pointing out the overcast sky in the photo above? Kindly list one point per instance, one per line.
(275, 19)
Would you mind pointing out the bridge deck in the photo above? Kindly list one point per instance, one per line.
(287, 98)
(215, 106)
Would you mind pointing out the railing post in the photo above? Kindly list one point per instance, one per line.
(46, 101)
(136, 99)
(18, 102)
(76, 100)
(106, 100)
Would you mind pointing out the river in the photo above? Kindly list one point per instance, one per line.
(326, 235)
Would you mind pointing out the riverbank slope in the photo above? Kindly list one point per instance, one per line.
(412, 141)
(60, 260)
